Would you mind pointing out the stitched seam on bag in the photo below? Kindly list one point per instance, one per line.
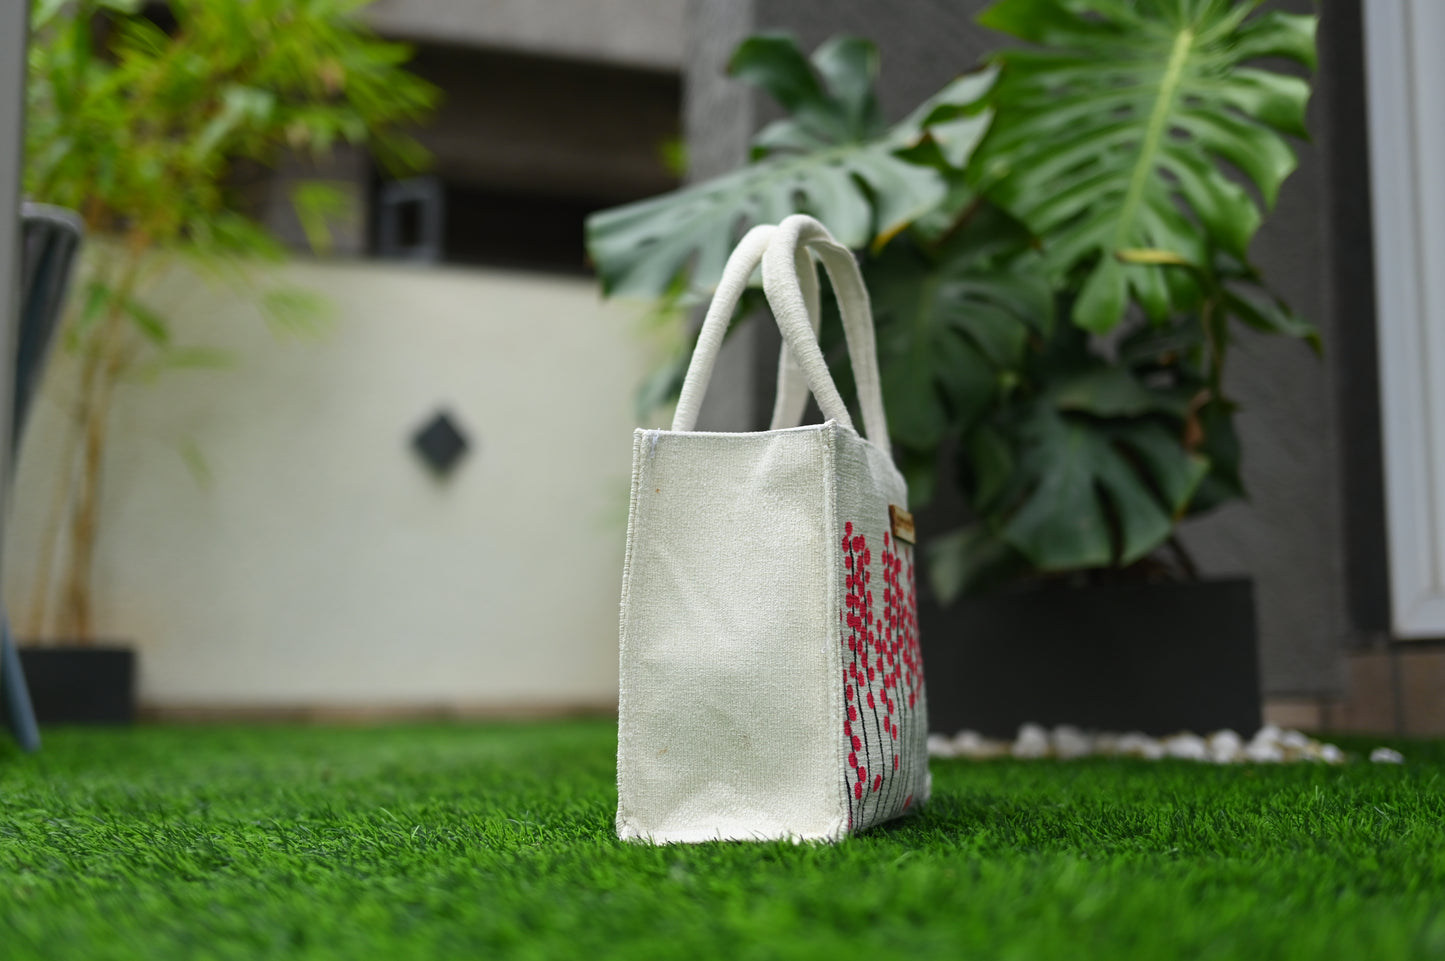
(881, 485)
(918, 751)
(624, 815)
(833, 600)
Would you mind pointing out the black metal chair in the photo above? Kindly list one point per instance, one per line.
(51, 239)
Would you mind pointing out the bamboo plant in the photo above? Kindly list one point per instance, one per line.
(141, 118)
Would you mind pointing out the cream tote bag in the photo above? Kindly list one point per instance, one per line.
(771, 683)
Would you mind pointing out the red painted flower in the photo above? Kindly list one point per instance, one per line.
(881, 664)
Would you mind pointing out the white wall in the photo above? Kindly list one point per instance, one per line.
(323, 566)
(1407, 140)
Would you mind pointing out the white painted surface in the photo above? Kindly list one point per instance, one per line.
(1407, 152)
(323, 566)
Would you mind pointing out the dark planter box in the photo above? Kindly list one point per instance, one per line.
(1157, 658)
(81, 685)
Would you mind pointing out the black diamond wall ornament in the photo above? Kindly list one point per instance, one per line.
(440, 443)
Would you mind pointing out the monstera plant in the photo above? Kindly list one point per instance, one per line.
(1057, 246)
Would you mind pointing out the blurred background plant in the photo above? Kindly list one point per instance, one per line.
(144, 120)
(1058, 250)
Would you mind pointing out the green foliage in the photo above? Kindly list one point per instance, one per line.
(831, 157)
(149, 133)
(496, 841)
(1084, 466)
(1128, 118)
(1112, 174)
(142, 130)
(954, 321)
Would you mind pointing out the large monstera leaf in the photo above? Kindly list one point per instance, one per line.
(953, 325)
(831, 157)
(1098, 495)
(1122, 132)
(1090, 466)
(1065, 491)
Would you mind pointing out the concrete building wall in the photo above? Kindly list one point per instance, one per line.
(529, 123)
(13, 29)
(1290, 537)
(322, 565)
(635, 33)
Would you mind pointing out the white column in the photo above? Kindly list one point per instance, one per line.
(1406, 77)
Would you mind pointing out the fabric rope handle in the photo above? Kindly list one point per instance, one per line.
(791, 399)
(786, 297)
(736, 273)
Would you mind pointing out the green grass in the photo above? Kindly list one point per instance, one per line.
(464, 842)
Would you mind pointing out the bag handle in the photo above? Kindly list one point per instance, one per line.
(792, 395)
(791, 401)
(786, 261)
(786, 298)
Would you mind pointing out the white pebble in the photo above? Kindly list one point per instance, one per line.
(1033, 732)
(1263, 752)
(1225, 747)
(1070, 742)
(1106, 743)
(1269, 734)
(973, 745)
(1135, 744)
(1385, 755)
(1032, 742)
(1270, 745)
(1294, 741)
(1187, 747)
(965, 742)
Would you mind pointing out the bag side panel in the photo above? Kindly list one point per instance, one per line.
(877, 662)
(726, 642)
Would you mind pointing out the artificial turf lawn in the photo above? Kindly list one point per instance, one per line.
(477, 841)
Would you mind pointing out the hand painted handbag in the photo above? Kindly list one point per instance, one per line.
(771, 683)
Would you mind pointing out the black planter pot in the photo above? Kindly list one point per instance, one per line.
(81, 685)
(1157, 658)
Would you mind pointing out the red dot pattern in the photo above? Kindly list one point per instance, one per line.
(882, 678)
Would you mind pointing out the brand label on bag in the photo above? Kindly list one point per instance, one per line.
(902, 522)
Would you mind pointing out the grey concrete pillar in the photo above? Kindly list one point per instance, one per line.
(14, 31)
(719, 117)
